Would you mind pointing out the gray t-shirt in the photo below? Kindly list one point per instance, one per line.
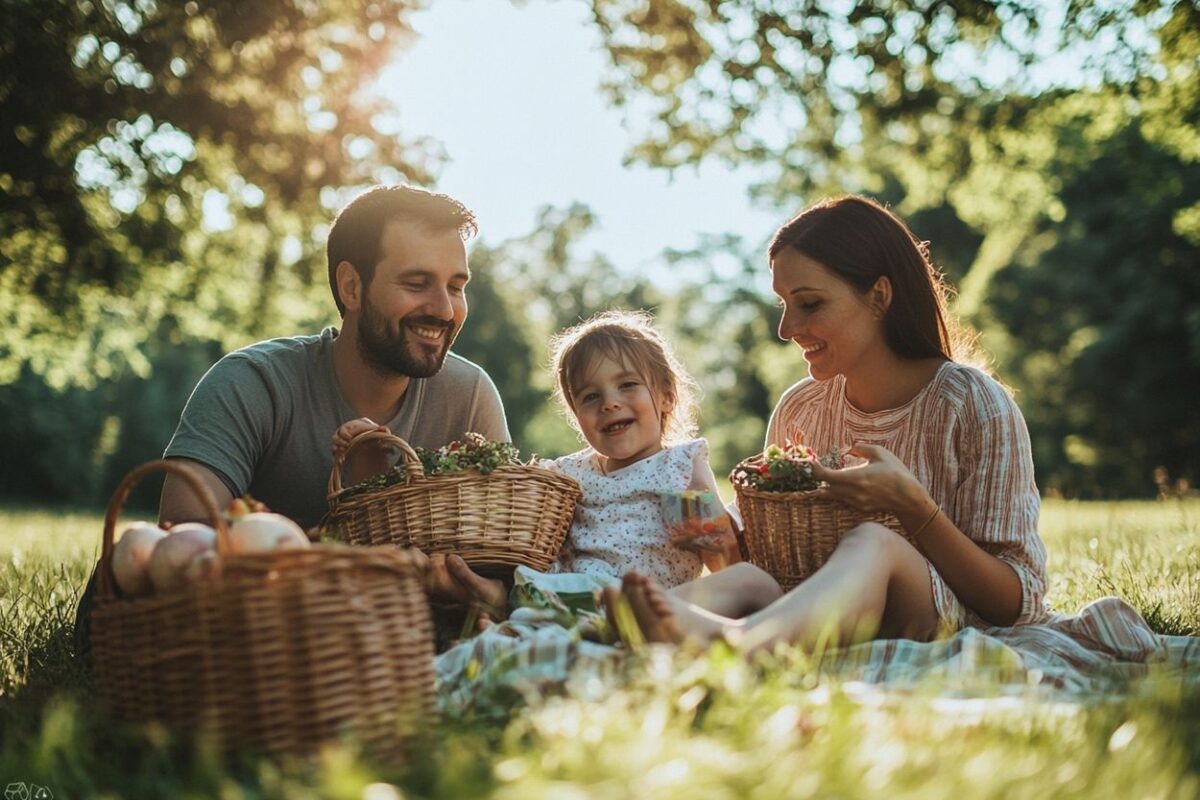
(262, 419)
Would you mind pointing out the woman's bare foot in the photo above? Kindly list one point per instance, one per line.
(663, 618)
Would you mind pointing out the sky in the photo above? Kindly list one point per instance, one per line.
(512, 93)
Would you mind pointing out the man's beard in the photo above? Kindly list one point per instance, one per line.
(390, 352)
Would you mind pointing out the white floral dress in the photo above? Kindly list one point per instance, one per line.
(618, 526)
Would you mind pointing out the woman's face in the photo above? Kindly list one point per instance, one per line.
(839, 329)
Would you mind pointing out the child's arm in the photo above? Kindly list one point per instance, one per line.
(726, 550)
(365, 460)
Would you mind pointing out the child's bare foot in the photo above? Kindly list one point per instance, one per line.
(652, 608)
(621, 621)
(663, 618)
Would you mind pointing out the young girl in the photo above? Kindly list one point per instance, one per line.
(634, 405)
(946, 450)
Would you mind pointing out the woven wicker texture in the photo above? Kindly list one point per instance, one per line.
(510, 517)
(286, 650)
(791, 534)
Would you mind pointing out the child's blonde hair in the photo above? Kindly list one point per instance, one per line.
(629, 338)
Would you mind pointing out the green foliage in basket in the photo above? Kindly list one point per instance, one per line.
(476, 452)
(784, 469)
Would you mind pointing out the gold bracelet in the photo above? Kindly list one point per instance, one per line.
(925, 524)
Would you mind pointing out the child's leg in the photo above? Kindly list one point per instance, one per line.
(734, 592)
(874, 582)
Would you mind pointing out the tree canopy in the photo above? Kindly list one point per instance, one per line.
(168, 170)
(1048, 150)
(177, 161)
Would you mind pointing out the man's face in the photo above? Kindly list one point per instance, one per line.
(416, 302)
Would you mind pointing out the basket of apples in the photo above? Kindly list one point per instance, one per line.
(241, 628)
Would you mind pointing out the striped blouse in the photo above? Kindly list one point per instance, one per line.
(964, 439)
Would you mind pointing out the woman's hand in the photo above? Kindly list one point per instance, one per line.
(883, 483)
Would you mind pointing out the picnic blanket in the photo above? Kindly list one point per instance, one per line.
(1102, 648)
(540, 648)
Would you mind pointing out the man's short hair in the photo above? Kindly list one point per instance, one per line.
(358, 228)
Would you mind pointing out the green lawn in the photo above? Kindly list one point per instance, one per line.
(710, 728)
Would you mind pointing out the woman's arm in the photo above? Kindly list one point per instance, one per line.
(986, 584)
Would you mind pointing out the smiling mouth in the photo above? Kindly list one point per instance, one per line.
(811, 349)
(617, 427)
(427, 333)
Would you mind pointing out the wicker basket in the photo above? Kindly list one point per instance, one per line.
(791, 534)
(285, 651)
(513, 516)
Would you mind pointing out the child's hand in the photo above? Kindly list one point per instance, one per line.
(731, 548)
(714, 540)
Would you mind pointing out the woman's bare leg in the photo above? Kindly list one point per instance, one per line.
(734, 592)
(874, 583)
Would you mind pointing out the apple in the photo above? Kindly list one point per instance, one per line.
(261, 531)
(169, 561)
(132, 555)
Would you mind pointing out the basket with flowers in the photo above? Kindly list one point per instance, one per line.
(473, 498)
(791, 528)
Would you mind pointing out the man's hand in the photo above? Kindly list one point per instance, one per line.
(367, 460)
(450, 580)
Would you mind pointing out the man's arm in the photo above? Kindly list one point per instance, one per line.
(179, 503)
(222, 433)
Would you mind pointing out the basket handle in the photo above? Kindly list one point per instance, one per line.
(412, 464)
(106, 583)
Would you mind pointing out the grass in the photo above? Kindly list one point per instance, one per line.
(712, 727)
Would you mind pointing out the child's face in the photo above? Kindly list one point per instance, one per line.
(619, 414)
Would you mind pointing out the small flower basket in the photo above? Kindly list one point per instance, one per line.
(496, 516)
(282, 651)
(790, 530)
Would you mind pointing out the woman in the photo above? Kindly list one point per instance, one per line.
(946, 451)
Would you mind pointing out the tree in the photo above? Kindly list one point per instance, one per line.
(950, 111)
(180, 158)
(1101, 336)
(808, 87)
(498, 336)
(723, 325)
(1097, 312)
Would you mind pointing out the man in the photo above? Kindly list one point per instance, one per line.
(260, 421)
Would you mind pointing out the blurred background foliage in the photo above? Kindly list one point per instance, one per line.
(168, 171)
